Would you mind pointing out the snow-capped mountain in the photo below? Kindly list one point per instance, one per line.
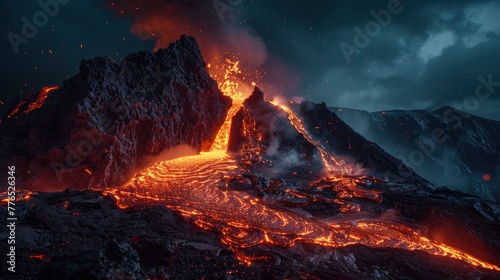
(448, 147)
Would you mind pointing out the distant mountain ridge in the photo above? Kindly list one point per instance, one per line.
(447, 146)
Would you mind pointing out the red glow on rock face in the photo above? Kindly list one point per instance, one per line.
(487, 177)
(134, 239)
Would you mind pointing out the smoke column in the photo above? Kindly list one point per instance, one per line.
(217, 25)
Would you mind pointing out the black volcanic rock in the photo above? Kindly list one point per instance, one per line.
(76, 234)
(261, 127)
(118, 261)
(165, 227)
(88, 234)
(71, 234)
(103, 123)
(281, 143)
(340, 138)
(447, 147)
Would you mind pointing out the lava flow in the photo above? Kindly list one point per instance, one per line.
(193, 187)
(232, 89)
(34, 104)
(197, 188)
(333, 163)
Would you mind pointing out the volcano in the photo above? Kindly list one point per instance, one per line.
(269, 190)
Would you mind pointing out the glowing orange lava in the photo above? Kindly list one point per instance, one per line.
(40, 99)
(233, 86)
(333, 163)
(20, 195)
(35, 104)
(194, 186)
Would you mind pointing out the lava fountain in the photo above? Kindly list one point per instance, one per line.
(238, 91)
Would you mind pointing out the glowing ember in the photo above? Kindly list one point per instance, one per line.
(487, 177)
(20, 195)
(15, 110)
(38, 257)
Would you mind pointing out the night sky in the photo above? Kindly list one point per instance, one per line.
(429, 54)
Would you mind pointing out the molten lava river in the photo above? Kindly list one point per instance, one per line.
(196, 187)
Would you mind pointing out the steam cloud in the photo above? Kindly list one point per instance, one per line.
(179, 151)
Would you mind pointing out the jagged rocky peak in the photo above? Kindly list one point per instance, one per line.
(340, 138)
(264, 132)
(269, 144)
(107, 121)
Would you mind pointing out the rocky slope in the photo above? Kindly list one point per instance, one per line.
(84, 235)
(291, 153)
(268, 202)
(447, 147)
(104, 123)
(94, 235)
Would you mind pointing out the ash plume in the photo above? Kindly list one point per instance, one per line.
(218, 27)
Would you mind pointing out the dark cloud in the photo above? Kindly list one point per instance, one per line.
(454, 74)
(429, 55)
(77, 31)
